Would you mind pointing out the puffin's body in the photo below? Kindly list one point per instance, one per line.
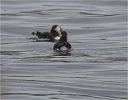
(53, 35)
(62, 47)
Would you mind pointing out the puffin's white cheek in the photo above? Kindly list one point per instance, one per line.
(58, 28)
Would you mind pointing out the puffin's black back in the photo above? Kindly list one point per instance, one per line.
(63, 37)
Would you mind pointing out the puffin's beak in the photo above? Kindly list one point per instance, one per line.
(61, 29)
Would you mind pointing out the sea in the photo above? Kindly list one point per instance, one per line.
(96, 69)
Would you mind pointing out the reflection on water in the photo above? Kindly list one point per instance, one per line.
(96, 68)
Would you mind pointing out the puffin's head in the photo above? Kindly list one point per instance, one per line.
(56, 28)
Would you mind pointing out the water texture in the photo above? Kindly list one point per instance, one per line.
(96, 68)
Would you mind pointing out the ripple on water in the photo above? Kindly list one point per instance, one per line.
(97, 66)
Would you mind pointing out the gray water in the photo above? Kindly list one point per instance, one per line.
(96, 68)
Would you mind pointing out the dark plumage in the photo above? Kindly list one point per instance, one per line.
(62, 47)
(53, 35)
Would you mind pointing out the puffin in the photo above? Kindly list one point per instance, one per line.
(62, 46)
(54, 35)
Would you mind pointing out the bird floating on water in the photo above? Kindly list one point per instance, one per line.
(62, 47)
(53, 35)
(59, 36)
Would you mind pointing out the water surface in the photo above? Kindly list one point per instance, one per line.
(96, 68)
